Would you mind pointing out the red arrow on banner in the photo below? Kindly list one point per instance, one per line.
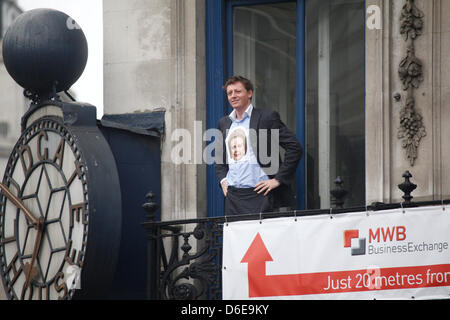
(262, 285)
(256, 257)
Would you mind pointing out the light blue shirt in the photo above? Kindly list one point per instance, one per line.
(245, 172)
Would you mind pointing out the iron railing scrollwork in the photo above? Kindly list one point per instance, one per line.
(183, 264)
(202, 265)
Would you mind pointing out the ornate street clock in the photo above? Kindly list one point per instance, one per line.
(60, 198)
(60, 210)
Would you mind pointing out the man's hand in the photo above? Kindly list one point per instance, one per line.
(267, 186)
(224, 185)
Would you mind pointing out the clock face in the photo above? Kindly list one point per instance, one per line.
(44, 218)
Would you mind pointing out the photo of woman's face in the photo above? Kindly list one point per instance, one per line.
(237, 145)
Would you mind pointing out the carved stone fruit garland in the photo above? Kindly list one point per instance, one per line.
(411, 129)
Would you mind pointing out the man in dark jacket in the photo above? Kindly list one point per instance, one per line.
(258, 181)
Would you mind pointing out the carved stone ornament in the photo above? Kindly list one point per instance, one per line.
(411, 129)
(411, 21)
(410, 70)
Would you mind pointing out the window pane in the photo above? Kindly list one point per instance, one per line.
(264, 51)
(335, 100)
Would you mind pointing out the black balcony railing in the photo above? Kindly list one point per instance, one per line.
(185, 256)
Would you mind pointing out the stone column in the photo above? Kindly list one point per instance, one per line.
(154, 59)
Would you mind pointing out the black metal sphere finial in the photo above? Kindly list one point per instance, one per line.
(45, 52)
(407, 187)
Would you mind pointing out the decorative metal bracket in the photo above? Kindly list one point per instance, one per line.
(37, 98)
(411, 129)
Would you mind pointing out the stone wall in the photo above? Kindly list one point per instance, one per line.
(386, 48)
(154, 58)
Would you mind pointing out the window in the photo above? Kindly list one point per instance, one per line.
(264, 49)
(306, 60)
(334, 107)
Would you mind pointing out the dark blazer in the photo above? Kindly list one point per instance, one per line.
(268, 119)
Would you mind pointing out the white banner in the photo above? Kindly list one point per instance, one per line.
(391, 254)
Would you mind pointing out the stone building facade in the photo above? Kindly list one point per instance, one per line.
(369, 124)
(162, 63)
(386, 49)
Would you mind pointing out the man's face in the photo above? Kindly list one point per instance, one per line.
(238, 97)
(237, 148)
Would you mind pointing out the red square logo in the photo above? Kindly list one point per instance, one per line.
(348, 236)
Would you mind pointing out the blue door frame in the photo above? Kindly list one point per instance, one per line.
(219, 66)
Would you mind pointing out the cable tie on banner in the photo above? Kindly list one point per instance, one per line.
(442, 202)
(226, 221)
(331, 213)
(401, 205)
(367, 210)
(295, 215)
(260, 217)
